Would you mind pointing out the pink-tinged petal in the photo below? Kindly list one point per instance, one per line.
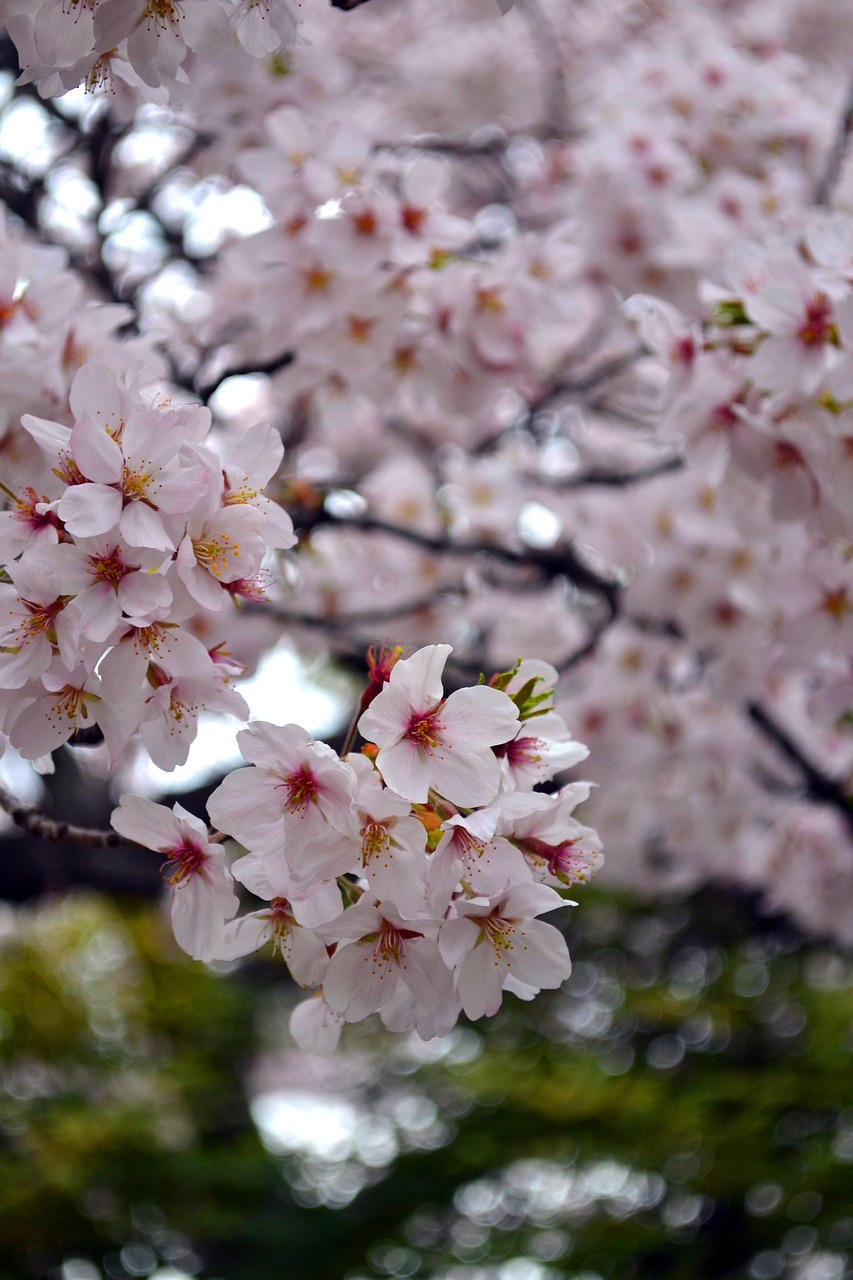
(387, 718)
(359, 981)
(52, 437)
(479, 717)
(253, 872)
(523, 901)
(204, 589)
(147, 823)
(143, 594)
(95, 452)
(242, 937)
(27, 664)
(150, 438)
(316, 1027)
(98, 611)
(420, 675)
(168, 739)
(480, 983)
(246, 806)
(540, 956)
(90, 509)
(120, 722)
(198, 916)
(273, 746)
(456, 939)
(142, 527)
(40, 728)
(407, 770)
(94, 392)
(333, 854)
(178, 492)
(466, 780)
(426, 975)
(252, 460)
(278, 527)
(306, 956)
(319, 906)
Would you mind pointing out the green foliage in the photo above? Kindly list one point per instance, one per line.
(681, 1109)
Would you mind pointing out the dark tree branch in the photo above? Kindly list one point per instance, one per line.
(561, 562)
(345, 622)
(819, 787)
(603, 478)
(831, 173)
(47, 828)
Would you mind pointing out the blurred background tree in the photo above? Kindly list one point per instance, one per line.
(681, 1109)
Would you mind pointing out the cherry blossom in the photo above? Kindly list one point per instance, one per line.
(428, 741)
(497, 941)
(562, 374)
(202, 893)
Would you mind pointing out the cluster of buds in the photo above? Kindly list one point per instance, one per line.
(405, 880)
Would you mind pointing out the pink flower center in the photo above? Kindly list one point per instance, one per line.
(67, 470)
(184, 862)
(519, 751)
(281, 920)
(499, 934)
(41, 619)
(723, 418)
(110, 567)
(375, 841)
(564, 860)
(26, 511)
(816, 329)
(425, 731)
(787, 455)
(837, 604)
(302, 789)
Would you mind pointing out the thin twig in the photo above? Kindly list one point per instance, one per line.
(357, 617)
(819, 787)
(832, 172)
(561, 561)
(47, 828)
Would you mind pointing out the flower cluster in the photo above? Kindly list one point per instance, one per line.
(144, 42)
(406, 881)
(131, 526)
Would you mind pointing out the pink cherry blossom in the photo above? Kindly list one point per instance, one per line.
(491, 942)
(202, 894)
(426, 741)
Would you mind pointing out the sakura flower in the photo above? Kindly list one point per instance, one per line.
(223, 548)
(298, 794)
(29, 523)
(426, 741)
(303, 952)
(170, 719)
(44, 714)
(128, 482)
(392, 841)
(248, 465)
(202, 892)
(799, 317)
(378, 949)
(160, 33)
(111, 580)
(263, 26)
(494, 941)
(558, 849)
(315, 1026)
(268, 876)
(32, 625)
(468, 851)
